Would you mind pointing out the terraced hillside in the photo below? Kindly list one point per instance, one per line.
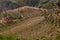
(36, 24)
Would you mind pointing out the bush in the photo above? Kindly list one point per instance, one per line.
(58, 10)
(47, 5)
(9, 37)
(57, 37)
(27, 2)
(32, 2)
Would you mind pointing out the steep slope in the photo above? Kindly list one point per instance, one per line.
(37, 24)
(24, 13)
(30, 22)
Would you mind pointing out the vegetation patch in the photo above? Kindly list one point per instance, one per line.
(47, 6)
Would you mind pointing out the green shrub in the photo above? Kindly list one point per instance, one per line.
(9, 37)
(57, 37)
(27, 2)
(57, 11)
(32, 2)
(47, 6)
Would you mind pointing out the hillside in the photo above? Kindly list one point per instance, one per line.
(33, 23)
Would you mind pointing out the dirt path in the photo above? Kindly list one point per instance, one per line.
(28, 23)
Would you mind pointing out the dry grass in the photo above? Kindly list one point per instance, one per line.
(32, 28)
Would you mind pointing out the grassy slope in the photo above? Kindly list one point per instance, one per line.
(32, 28)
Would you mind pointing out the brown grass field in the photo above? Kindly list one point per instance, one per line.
(37, 23)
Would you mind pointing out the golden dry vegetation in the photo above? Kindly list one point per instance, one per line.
(36, 23)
